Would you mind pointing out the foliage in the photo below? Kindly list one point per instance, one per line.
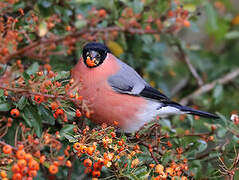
(187, 49)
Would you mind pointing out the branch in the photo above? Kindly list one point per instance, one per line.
(208, 87)
(33, 45)
(186, 59)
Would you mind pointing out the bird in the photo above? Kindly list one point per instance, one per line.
(117, 94)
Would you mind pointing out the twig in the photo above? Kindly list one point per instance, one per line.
(151, 152)
(21, 52)
(207, 87)
(186, 59)
(3, 144)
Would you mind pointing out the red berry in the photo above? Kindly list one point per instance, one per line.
(15, 113)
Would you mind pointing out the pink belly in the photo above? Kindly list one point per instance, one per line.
(109, 106)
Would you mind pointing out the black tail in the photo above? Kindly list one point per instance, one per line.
(192, 111)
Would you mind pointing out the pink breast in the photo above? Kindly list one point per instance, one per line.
(107, 105)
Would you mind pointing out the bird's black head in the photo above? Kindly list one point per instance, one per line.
(94, 54)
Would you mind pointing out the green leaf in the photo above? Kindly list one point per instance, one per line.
(32, 118)
(5, 106)
(66, 131)
(46, 115)
(26, 77)
(131, 176)
(202, 146)
(3, 68)
(142, 172)
(45, 4)
(211, 16)
(22, 103)
(32, 69)
(232, 35)
(221, 132)
(62, 75)
(80, 24)
(222, 117)
(218, 93)
(137, 6)
(1, 92)
(70, 137)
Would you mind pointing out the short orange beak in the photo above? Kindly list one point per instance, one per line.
(90, 62)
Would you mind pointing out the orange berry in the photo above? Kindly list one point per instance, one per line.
(211, 138)
(24, 170)
(15, 113)
(15, 168)
(83, 149)
(87, 170)
(196, 117)
(47, 67)
(96, 173)
(170, 171)
(102, 13)
(170, 13)
(20, 154)
(20, 147)
(68, 163)
(39, 99)
(87, 114)
(151, 165)
(68, 28)
(113, 134)
(7, 149)
(159, 168)
(184, 178)
(169, 144)
(5, 93)
(37, 154)
(121, 142)
(56, 163)
(32, 173)
(90, 150)
(213, 127)
(148, 28)
(33, 165)
(9, 120)
(53, 169)
(59, 112)
(78, 113)
(40, 73)
(3, 174)
(21, 11)
(116, 123)
(77, 146)
(17, 176)
(94, 178)
(186, 23)
(42, 159)
(28, 157)
(87, 163)
(22, 163)
(97, 166)
(61, 158)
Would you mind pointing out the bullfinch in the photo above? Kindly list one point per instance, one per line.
(115, 92)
